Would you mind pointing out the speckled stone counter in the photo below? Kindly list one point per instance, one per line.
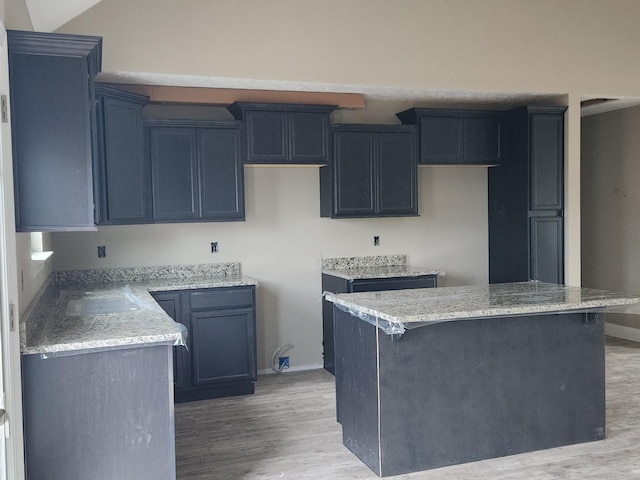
(48, 328)
(469, 373)
(384, 266)
(405, 308)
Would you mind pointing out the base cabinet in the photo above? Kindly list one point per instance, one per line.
(221, 356)
(100, 415)
(335, 284)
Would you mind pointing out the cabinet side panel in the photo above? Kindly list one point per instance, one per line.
(357, 386)
(508, 206)
(100, 415)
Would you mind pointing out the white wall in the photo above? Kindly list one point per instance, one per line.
(611, 204)
(283, 238)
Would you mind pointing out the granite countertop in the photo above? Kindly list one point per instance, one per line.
(383, 266)
(402, 308)
(62, 318)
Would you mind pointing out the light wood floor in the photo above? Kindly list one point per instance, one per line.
(287, 430)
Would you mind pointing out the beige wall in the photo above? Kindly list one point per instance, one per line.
(283, 238)
(611, 204)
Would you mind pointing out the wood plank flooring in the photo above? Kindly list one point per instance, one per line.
(287, 430)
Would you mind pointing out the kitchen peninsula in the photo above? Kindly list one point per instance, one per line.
(433, 377)
(98, 369)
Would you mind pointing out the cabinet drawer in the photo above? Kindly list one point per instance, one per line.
(394, 283)
(222, 298)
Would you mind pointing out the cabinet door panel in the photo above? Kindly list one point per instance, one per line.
(308, 134)
(125, 165)
(397, 174)
(52, 142)
(441, 140)
(172, 304)
(221, 342)
(546, 255)
(266, 137)
(547, 154)
(222, 173)
(175, 173)
(482, 141)
(354, 170)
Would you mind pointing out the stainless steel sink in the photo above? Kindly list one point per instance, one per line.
(103, 305)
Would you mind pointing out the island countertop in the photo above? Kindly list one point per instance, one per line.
(402, 308)
(61, 320)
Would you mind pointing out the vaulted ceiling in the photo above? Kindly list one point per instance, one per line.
(48, 15)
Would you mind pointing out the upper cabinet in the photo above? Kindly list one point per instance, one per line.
(285, 134)
(124, 186)
(53, 128)
(373, 173)
(196, 170)
(457, 137)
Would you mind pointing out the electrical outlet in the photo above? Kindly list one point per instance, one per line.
(214, 247)
(376, 241)
(283, 363)
(102, 251)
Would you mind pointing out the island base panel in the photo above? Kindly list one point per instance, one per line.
(100, 415)
(467, 390)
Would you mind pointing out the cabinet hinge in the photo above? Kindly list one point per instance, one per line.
(12, 317)
(5, 109)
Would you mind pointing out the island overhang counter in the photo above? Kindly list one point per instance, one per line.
(433, 377)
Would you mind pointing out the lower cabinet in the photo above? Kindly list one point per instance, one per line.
(102, 414)
(334, 284)
(221, 356)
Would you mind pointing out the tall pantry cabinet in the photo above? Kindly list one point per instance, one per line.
(526, 199)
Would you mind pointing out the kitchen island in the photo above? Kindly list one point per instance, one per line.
(433, 377)
(97, 363)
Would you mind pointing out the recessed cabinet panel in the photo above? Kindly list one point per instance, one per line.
(222, 175)
(175, 173)
(547, 241)
(125, 176)
(308, 137)
(397, 176)
(547, 152)
(267, 137)
(441, 140)
(482, 140)
(222, 346)
(354, 171)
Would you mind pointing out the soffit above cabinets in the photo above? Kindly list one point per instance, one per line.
(223, 91)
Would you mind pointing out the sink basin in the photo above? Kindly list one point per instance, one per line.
(103, 305)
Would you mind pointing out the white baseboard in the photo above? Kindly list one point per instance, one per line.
(622, 331)
(313, 366)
